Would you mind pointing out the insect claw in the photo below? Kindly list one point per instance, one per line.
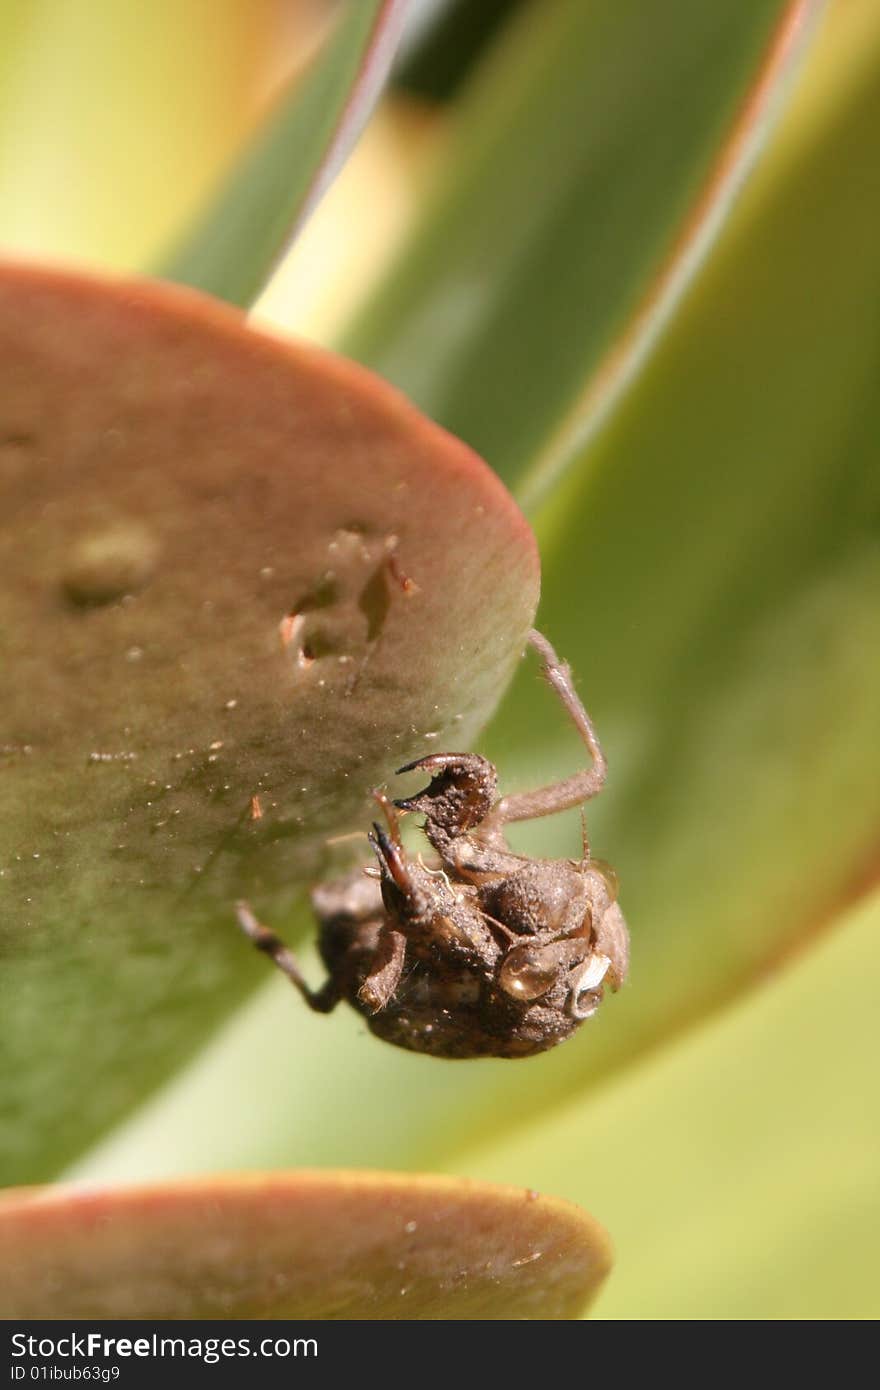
(391, 857)
(460, 793)
(432, 762)
(388, 809)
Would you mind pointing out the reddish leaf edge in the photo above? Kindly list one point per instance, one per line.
(547, 1255)
(164, 297)
(378, 57)
(758, 115)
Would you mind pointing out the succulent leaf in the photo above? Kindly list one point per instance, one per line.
(300, 1245)
(243, 582)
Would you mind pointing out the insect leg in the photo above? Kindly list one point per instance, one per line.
(321, 1000)
(383, 979)
(571, 791)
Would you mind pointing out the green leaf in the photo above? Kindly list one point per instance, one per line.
(292, 160)
(737, 1168)
(712, 570)
(242, 584)
(298, 1245)
(595, 160)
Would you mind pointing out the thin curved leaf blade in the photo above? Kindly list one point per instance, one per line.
(326, 1245)
(597, 157)
(292, 159)
(243, 582)
(728, 518)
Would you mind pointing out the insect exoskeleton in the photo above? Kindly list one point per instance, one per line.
(475, 951)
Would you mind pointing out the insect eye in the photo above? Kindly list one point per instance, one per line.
(612, 883)
(525, 975)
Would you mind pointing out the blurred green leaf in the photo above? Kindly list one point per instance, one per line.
(596, 155)
(738, 1168)
(712, 570)
(200, 608)
(291, 161)
(298, 1245)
